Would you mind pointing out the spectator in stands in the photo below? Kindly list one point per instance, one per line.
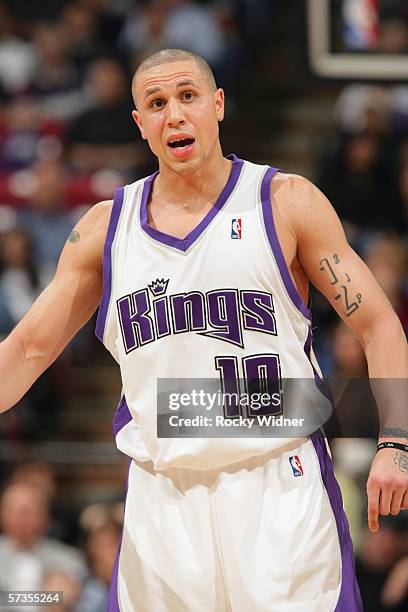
(24, 549)
(56, 81)
(62, 523)
(186, 24)
(253, 16)
(363, 108)
(373, 108)
(79, 29)
(142, 32)
(386, 256)
(194, 26)
(348, 355)
(379, 553)
(28, 135)
(59, 581)
(19, 283)
(17, 57)
(395, 592)
(109, 16)
(355, 409)
(393, 36)
(19, 287)
(101, 546)
(399, 114)
(357, 183)
(46, 220)
(105, 135)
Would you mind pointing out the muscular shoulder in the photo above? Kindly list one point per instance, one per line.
(298, 201)
(97, 217)
(292, 190)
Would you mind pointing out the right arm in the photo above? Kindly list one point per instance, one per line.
(59, 312)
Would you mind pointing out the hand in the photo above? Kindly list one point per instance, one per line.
(387, 485)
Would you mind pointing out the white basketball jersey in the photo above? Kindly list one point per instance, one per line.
(220, 302)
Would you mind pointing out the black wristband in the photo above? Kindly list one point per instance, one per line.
(397, 445)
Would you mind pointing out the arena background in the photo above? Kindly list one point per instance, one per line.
(316, 88)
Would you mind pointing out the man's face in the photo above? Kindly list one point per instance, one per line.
(23, 513)
(178, 114)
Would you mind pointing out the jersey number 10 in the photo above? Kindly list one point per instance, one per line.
(259, 389)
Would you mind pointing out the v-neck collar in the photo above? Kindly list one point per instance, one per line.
(183, 244)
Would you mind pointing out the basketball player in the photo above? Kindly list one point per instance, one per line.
(201, 270)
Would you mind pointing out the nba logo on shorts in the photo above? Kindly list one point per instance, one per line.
(296, 466)
(236, 229)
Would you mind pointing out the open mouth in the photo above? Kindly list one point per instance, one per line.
(181, 144)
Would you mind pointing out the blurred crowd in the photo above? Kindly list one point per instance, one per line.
(43, 547)
(67, 140)
(362, 167)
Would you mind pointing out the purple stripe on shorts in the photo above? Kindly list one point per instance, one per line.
(107, 263)
(275, 244)
(349, 598)
(113, 603)
(183, 244)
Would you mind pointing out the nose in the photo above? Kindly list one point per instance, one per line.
(175, 115)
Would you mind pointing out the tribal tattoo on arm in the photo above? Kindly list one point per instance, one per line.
(340, 282)
(74, 236)
(393, 432)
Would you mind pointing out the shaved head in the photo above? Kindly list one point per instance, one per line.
(166, 56)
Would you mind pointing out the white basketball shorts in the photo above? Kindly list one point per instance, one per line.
(267, 534)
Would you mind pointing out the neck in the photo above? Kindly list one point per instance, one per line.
(190, 190)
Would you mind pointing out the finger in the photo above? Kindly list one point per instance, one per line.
(404, 504)
(396, 502)
(385, 501)
(373, 494)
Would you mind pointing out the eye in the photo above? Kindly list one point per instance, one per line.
(188, 96)
(157, 104)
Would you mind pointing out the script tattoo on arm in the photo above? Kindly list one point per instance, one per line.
(74, 236)
(401, 459)
(340, 280)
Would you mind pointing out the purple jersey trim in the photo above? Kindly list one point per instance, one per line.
(121, 417)
(349, 599)
(183, 244)
(275, 244)
(321, 383)
(107, 263)
(113, 603)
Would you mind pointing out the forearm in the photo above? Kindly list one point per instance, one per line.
(386, 349)
(387, 357)
(17, 371)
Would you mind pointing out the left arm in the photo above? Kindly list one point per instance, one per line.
(345, 280)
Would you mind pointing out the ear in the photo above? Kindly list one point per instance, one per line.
(138, 121)
(219, 99)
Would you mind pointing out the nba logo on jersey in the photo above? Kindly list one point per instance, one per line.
(236, 229)
(296, 466)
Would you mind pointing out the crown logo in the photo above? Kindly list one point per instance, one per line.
(159, 286)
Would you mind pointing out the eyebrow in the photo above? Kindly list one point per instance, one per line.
(154, 90)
